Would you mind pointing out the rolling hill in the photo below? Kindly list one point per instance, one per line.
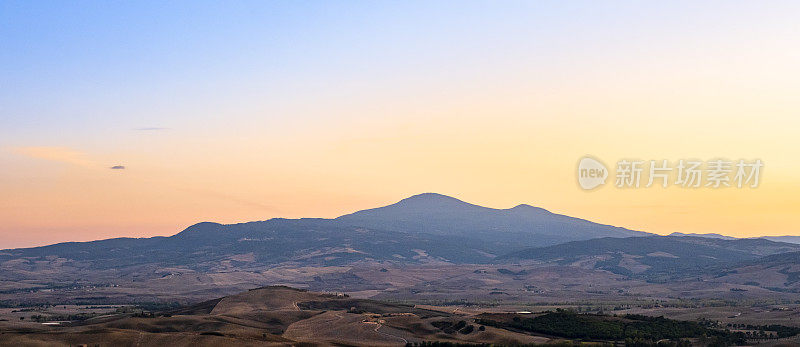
(777, 272)
(656, 258)
(284, 316)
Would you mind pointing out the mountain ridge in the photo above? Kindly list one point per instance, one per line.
(443, 215)
(421, 228)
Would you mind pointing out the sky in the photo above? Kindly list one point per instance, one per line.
(238, 111)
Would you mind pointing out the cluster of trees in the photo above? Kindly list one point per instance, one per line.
(159, 306)
(639, 342)
(462, 344)
(782, 331)
(445, 344)
(451, 328)
(140, 311)
(766, 331)
(39, 318)
(634, 329)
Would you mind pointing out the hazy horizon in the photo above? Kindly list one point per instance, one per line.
(387, 204)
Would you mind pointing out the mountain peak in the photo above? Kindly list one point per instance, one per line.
(418, 208)
(202, 229)
(528, 208)
(430, 197)
(433, 203)
(438, 214)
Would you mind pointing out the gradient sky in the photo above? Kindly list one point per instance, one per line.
(238, 111)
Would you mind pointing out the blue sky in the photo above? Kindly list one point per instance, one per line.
(92, 66)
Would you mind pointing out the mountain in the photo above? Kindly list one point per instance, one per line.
(438, 214)
(656, 258)
(422, 228)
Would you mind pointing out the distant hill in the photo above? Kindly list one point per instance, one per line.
(789, 239)
(709, 235)
(655, 258)
(777, 272)
(421, 229)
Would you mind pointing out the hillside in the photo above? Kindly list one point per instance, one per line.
(777, 272)
(656, 258)
(268, 316)
(284, 316)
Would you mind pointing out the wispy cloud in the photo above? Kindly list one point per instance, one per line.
(57, 154)
(231, 198)
(62, 155)
(150, 129)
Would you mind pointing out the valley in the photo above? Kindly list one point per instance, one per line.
(284, 316)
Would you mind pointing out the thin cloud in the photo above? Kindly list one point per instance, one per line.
(61, 155)
(57, 154)
(231, 198)
(150, 129)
